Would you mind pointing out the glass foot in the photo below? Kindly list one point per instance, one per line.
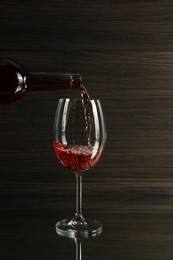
(72, 229)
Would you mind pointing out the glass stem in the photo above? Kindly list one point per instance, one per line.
(79, 195)
(78, 215)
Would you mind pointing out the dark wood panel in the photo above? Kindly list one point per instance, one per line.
(124, 51)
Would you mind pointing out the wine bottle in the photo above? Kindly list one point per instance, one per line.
(15, 81)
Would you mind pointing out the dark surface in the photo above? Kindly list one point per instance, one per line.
(124, 49)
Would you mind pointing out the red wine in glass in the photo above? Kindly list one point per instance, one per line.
(77, 158)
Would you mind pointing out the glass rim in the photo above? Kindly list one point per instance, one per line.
(79, 99)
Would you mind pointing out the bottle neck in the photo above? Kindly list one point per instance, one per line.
(52, 81)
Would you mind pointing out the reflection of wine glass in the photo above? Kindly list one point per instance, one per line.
(78, 243)
(80, 136)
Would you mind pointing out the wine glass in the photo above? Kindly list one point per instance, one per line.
(80, 136)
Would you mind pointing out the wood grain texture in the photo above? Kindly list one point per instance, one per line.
(124, 50)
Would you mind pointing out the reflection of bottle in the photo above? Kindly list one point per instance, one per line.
(15, 81)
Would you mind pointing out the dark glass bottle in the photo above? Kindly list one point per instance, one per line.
(15, 81)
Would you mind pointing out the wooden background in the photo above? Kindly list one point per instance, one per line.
(124, 50)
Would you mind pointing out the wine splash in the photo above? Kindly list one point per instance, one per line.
(77, 158)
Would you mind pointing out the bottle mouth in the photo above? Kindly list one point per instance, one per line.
(76, 80)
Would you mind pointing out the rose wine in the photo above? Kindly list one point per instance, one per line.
(77, 158)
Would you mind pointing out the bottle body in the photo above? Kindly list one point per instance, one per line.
(15, 81)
